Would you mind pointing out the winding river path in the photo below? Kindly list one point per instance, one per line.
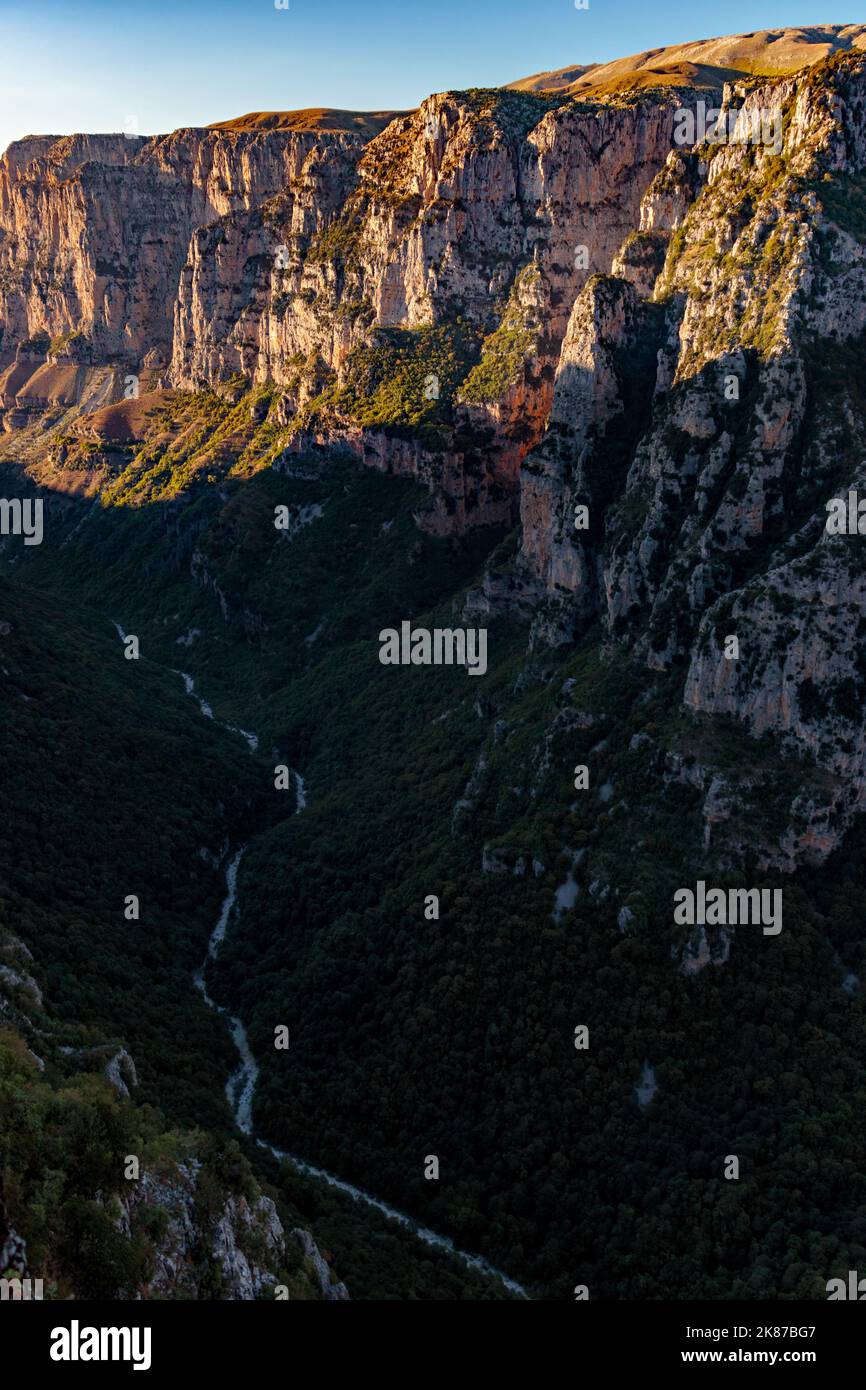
(241, 1085)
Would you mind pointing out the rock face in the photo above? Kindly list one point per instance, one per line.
(445, 204)
(707, 508)
(489, 208)
(95, 230)
(188, 258)
(244, 1241)
(642, 345)
(331, 1291)
(121, 1072)
(572, 467)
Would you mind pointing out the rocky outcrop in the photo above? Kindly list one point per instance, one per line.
(14, 1263)
(187, 258)
(121, 1072)
(698, 953)
(706, 521)
(242, 1245)
(95, 230)
(21, 1002)
(331, 1291)
(207, 1229)
(566, 482)
(488, 208)
(544, 309)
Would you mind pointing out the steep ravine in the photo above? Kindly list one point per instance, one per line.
(240, 1087)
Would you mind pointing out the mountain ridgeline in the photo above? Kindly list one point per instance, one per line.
(559, 361)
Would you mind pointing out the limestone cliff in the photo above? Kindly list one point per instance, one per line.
(130, 264)
(743, 426)
(95, 230)
(547, 305)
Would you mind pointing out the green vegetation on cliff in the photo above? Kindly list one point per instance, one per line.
(454, 1036)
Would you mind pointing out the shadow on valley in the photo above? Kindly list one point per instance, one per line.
(415, 1035)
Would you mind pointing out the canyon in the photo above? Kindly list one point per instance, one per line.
(614, 323)
(518, 360)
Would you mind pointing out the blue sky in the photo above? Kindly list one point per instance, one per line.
(153, 65)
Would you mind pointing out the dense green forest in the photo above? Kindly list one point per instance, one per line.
(414, 1036)
(65, 1141)
(115, 785)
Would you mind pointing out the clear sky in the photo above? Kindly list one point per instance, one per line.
(153, 65)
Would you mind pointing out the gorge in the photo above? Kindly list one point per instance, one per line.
(385, 363)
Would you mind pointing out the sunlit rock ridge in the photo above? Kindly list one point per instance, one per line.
(540, 301)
